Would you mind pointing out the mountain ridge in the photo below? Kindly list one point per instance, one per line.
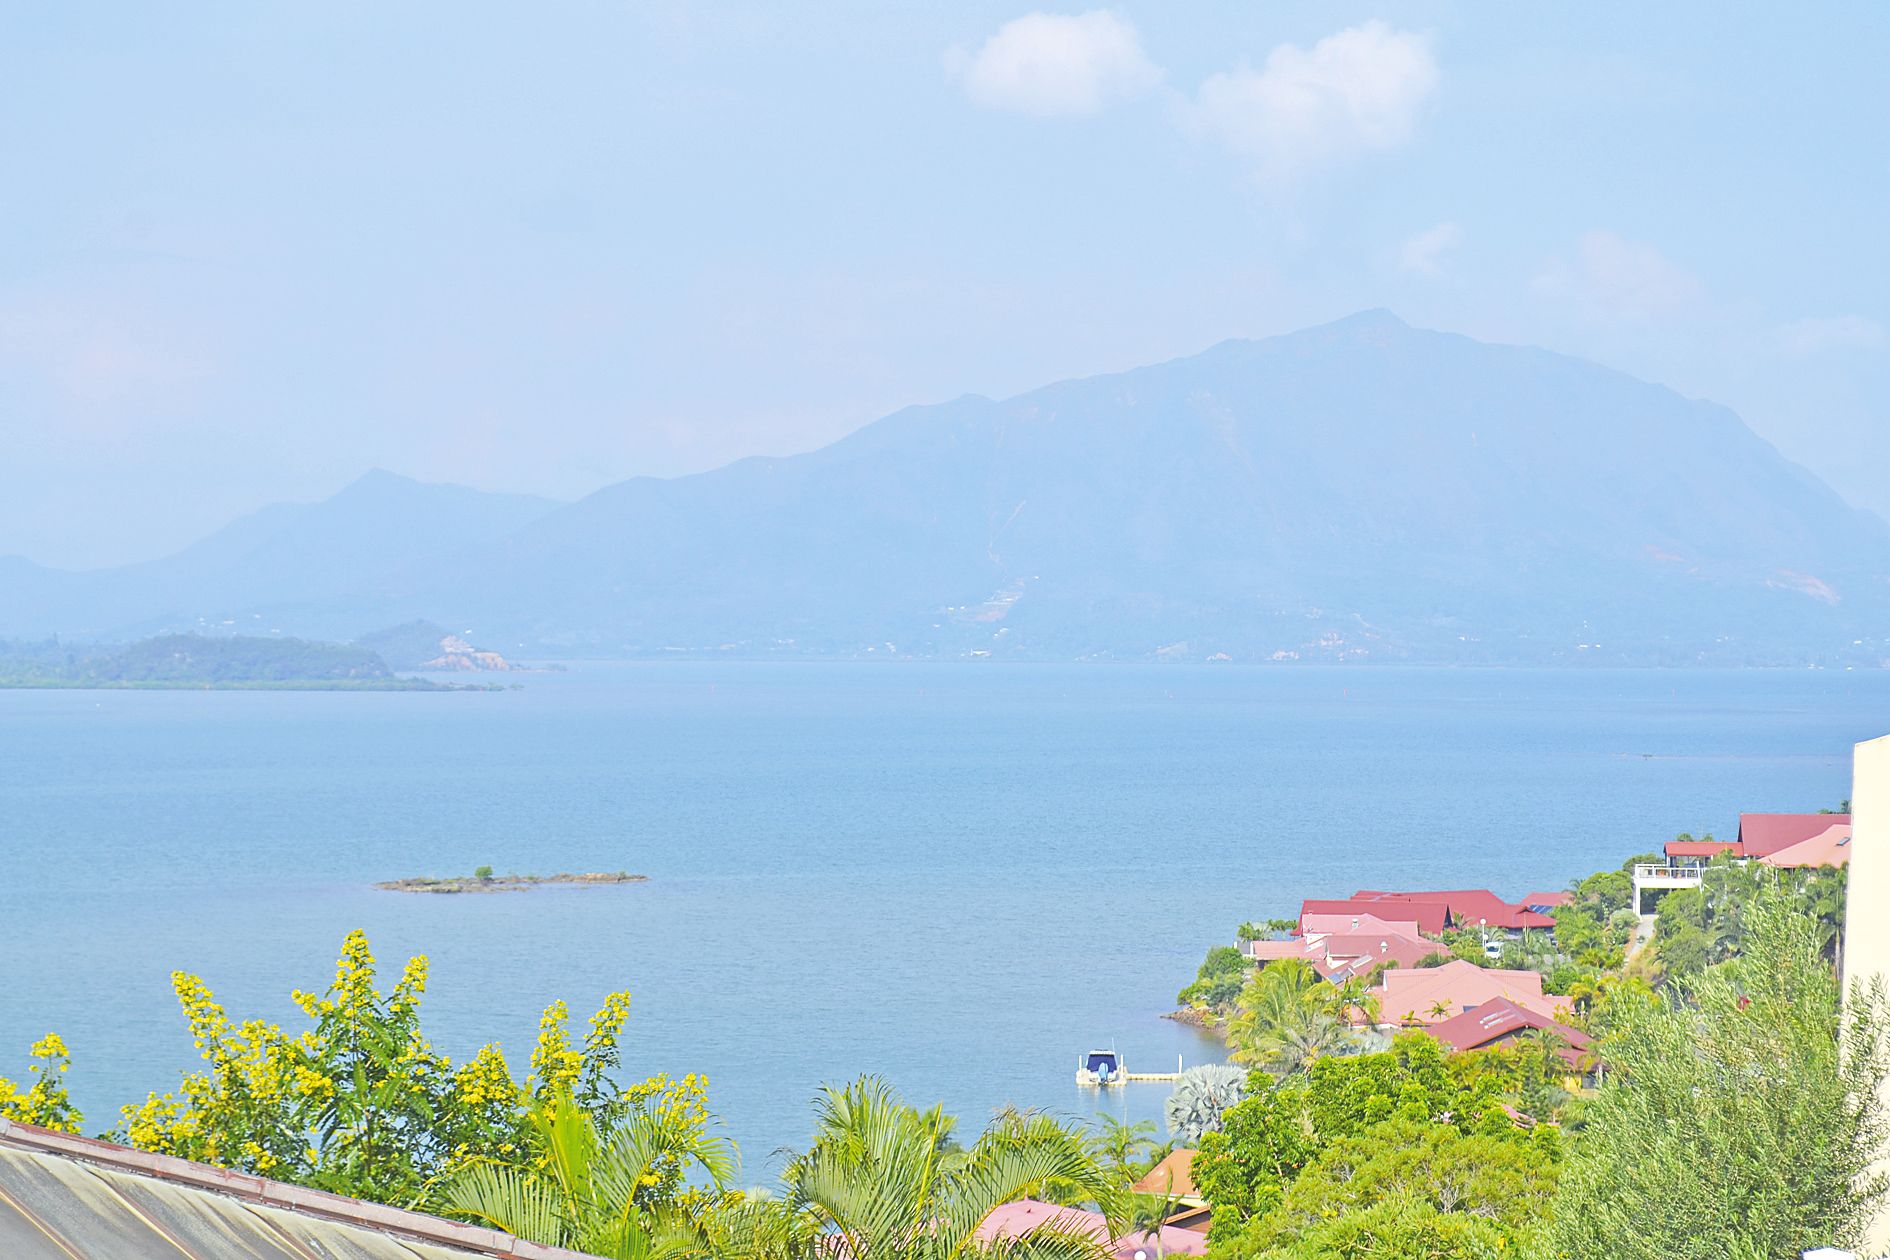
(1357, 490)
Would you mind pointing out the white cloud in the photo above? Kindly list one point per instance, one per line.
(1615, 278)
(1424, 252)
(1050, 64)
(1358, 91)
(1832, 332)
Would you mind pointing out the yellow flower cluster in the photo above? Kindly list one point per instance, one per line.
(253, 1071)
(555, 1065)
(353, 990)
(405, 1002)
(310, 1083)
(484, 1081)
(607, 1027)
(158, 1124)
(45, 1102)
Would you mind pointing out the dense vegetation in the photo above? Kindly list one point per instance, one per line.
(1403, 1147)
(406, 646)
(1717, 1024)
(188, 660)
(1743, 1096)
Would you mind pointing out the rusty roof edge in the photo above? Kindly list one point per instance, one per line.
(248, 1187)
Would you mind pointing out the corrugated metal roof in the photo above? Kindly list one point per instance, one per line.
(73, 1198)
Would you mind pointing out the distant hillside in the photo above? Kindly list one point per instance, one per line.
(428, 645)
(1363, 491)
(181, 660)
(317, 568)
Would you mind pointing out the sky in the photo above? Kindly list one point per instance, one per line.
(248, 252)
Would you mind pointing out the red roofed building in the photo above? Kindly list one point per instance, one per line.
(1432, 995)
(1350, 955)
(1342, 955)
(1467, 907)
(1764, 834)
(1697, 852)
(1500, 1021)
(1831, 847)
(1790, 840)
(1396, 921)
(1431, 917)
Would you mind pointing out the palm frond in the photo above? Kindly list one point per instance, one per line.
(510, 1199)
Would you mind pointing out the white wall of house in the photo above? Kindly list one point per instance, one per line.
(1867, 896)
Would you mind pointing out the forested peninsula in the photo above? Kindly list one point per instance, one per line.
(199, 661)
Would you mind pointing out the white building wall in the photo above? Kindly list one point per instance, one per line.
(1867, 897)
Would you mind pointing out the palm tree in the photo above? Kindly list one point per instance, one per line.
(1286, 1016)
(1296, 1047)
(590, 1190)
(1822, 893)
(1354, 1000)
(880, 1184)
(1121, 1144)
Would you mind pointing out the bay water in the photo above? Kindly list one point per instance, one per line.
(956, 876)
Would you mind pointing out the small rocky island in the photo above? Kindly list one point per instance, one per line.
(484, 881)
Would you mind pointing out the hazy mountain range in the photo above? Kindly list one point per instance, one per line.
(1362, 490)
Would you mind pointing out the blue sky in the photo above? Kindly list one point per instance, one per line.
(249, 251)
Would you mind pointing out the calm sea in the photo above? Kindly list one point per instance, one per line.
(957, 876)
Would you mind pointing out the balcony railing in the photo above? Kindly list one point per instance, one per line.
(1644, 871)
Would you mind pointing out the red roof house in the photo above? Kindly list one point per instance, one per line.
(1172, 1178)
(1499, 1021)
(1763, 834)
(1344, 956)
(1431, 995)
(1341, 955)
(1830, 847)
(1466, 907)
(1396, 921)
(1704, 850)
(1430, 916)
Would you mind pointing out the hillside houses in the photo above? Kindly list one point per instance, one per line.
(1782, 841)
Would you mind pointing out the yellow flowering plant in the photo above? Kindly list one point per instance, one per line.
(361, 1103)
(45, 1102)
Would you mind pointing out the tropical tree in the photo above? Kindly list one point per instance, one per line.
(1287, 1017)
(882, 1181)
(1402, 1189)
(611, 1193)
(1592, 995)
(1406, 1104)
(1219, 979)
(1123, 1146)
(1822, 893)
(1201, 1097)
(1745, 1095)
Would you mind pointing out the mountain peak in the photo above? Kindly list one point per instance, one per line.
(1377, 319)
(379, 479)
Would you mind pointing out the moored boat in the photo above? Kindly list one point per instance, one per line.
(1101, 1067)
